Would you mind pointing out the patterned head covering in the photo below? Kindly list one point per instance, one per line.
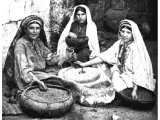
(8, 70)
(143, 53)
(25, 23)
(123, 24)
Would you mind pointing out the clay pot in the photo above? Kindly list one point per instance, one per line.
(142, 22)
(112, 18)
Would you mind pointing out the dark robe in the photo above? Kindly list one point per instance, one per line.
(80, 44)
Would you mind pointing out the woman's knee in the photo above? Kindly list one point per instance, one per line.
(119, 84)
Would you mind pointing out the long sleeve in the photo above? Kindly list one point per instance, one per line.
(110, 56)
(134, 70)
(22, 67)
(51, 58)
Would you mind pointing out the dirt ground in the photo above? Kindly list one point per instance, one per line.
(79, 112)
(100, 113)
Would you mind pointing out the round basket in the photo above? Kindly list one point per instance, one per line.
(55, 102)
(145, 98)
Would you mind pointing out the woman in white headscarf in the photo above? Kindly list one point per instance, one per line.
(132, 66)
(80, 34)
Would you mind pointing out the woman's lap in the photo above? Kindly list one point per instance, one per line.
(121, 84)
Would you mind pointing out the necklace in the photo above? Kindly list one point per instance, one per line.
(79, 29)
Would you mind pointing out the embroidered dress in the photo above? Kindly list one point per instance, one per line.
(27, 56)
(134, 66)
(31, 57)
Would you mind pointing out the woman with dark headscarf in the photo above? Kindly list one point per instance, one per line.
(132, 66)
(28, 56)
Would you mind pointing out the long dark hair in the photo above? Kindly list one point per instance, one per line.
(79, 8)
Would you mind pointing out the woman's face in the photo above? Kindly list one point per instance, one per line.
(33, 31)
(126, 35)
(81, 17)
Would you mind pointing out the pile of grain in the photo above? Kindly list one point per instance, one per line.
(52, 95)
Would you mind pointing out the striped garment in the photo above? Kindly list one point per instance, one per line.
(9, 108)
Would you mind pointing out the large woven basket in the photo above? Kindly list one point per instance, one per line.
(145, 98)
(43, 106)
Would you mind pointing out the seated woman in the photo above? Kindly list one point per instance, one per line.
(131, 63)
(28, 56)
(80, 34)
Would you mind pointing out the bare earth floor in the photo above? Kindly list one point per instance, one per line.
(102, 113)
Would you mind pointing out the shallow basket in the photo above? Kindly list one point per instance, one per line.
(44, 106)
(145, 98)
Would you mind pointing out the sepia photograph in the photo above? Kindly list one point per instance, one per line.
(79, 59)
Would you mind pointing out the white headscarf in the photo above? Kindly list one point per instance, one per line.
(143, 53)
(91, 32)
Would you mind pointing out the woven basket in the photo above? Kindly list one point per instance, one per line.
(43, 106)
(145, 98)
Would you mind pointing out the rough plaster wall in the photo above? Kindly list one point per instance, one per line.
(15, 10)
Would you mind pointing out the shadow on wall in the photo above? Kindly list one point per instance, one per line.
(56, 35)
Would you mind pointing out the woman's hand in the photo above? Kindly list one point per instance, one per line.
(74, 56)
(134, 95)
(41, 84)
(72, 35)
(134, 92)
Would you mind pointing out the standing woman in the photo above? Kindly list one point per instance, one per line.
(80, 34)
(132, 66)
(28, 56)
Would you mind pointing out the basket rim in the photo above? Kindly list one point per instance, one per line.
(59, 87)
(133, 100)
